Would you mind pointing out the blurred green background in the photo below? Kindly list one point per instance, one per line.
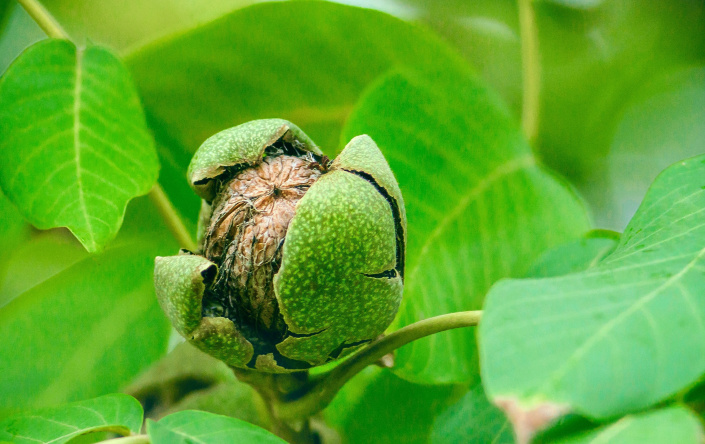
(622, 96)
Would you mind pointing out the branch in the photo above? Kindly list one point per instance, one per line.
(44, 19)
(321, 392)
(531, 70)
(171, 218)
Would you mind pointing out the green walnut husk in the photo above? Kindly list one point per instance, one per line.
(300, 261)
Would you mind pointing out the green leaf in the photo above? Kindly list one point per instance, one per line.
(594, 55)
(234, 399)
(37, 260)
(194, 426)
(255, 69)
(674, 424)
(13, 231)
(83, 332)
(377, 406)
(257, 39)
(472, 420)
(485, 32)
(161, 433)
(479, 207)
(73, 141)
(574, 256)
(618, 337)
(131, 23)
(116, 413)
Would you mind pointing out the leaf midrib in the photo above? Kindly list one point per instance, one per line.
(77, 144)
(574, 357)
(105, 427)
(505, 169)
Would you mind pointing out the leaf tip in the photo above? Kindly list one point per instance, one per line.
(528, 421)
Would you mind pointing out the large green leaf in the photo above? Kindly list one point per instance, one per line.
(594, 56)
(73, 141)
(472, 420)
(234, 399)
(479, 207)
(485, 32)
(248, 65)
(127, 24)
(618, 337)
(116, 413)
(665, 426)
(193, 426)
(122, 25)
(574, 256)
(13, 231)
(37, 260)
(83, 332)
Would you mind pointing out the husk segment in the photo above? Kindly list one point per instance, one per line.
(241, 145)
(340, 283)
(180, 282)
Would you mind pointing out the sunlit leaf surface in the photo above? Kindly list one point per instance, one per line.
(116, 413)
(472, 420)
(574, 256)
(73, 141)
(618, 337)
(207, 428)
(479, 208)
(379, 405)
(83, 332)
(666, 426)
(260, 62)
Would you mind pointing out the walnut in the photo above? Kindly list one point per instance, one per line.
(247, 229)
(300, 261)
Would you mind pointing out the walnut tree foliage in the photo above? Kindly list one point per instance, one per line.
(537, 165)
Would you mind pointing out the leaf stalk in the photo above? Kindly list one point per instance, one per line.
(318, 393)
(171, 218)
(44, 19)
(531, 70)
